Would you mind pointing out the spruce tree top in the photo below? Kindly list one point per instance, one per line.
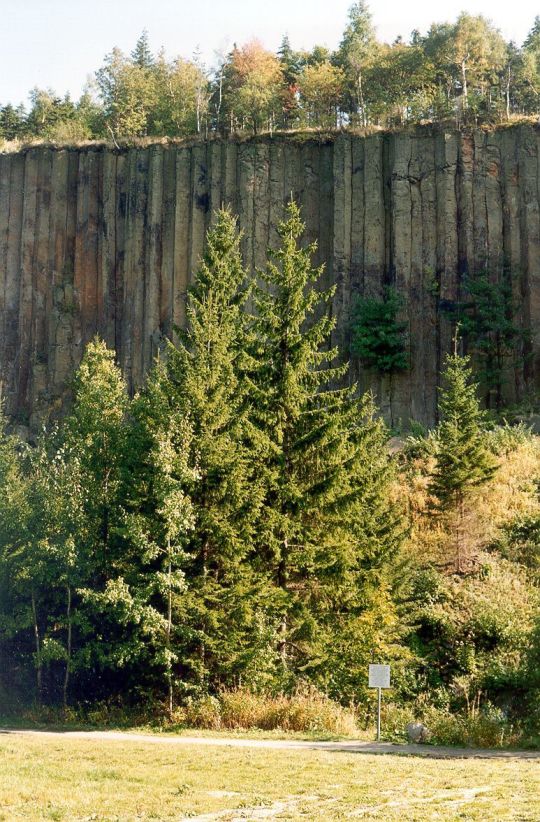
(463, 460)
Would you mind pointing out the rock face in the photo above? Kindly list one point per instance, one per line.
(417, 732)
(95, 240)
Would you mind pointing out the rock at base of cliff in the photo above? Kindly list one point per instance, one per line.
(417, 732)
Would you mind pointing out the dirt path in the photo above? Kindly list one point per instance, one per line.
(348, 746)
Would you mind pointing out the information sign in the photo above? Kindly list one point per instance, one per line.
(379, 676)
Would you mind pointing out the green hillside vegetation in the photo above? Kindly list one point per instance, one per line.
(461, 72)
(234, 544)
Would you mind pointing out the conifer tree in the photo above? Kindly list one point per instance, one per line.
(463, 461)
(200, 383)
(322, 457)
(141, 55)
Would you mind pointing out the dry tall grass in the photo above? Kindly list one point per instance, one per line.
(243, 709)
(512, 492)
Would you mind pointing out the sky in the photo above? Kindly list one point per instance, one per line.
(58, 43)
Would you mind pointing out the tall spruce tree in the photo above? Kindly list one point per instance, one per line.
(141, 55)
(463, 462)
(321, 451)
(200, 383)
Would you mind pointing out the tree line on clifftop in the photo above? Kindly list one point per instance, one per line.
(241, 523)
(459, 73)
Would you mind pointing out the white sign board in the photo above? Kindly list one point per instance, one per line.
(379, 676)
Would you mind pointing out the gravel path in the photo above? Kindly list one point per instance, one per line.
(349, 746)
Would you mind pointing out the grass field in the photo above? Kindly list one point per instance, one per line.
(81, 779)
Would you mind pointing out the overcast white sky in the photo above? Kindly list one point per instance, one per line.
(58, 43)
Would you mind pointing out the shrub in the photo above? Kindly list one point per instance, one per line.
(304, 711)
(503, 439)
(379, 338)
(394, 721)
(202, 712)
(489, 728)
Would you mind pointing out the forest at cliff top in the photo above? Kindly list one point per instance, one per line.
(462, 72)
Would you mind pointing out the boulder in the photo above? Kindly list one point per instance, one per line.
(417, 732)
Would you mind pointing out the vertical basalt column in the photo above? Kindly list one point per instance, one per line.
(261, 205)
(415, 292)
(357, 281)
(11, 319)
(230, 172)
(374, 245)
(26, 279)
(401, 210)
(309, 204)
(479, 205)
(426, 263)
(499, 274)
(200, 205)
(215, 159)
(276, 189)
(65, 298)
(342, 233)
(530, 246)
(91, 247)
(107, 297)
(41, 289)
(326, 211)
(121, 208)
(58, 330)
(246, 186)
(465, 221)
(494, 208)
(126, 347)
(80, 274)
(139, 220)
(182, 235)
(166, 288)
(511, 239)
(447, 221)
(5, 179)
(153, 258)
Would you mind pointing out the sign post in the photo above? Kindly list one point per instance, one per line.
(379, 677)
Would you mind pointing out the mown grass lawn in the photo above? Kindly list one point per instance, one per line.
(84, 779)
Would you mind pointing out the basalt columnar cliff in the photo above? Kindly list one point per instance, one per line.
(100, 240)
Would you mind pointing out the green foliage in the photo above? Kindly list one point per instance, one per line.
(12, 122)
(505, 438)
(462, 461)
(357, 52)
(326, 513)
(490, 727)
(199, 388)
(462, 72)
(519, 541)
(306, 711)
(471, 633)
(233, 533)
(378, 336)
(485, 315)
